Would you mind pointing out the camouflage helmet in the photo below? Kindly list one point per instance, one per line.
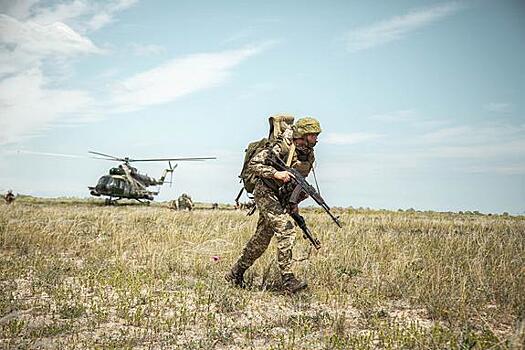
(307, 125)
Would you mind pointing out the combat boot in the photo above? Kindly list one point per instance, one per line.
(291, 284)
(236, 276)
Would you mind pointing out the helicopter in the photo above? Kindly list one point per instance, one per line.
(125, 181)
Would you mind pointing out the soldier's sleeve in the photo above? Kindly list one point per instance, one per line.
(258, 165)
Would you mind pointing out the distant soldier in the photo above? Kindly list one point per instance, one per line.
(215, 206)
(9, 197)
(185, 202)
(173, 205)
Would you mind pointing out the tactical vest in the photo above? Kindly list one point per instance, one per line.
(302, 160)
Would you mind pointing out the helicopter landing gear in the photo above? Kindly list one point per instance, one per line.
(111, 201)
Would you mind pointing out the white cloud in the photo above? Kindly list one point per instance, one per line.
(147, 50)
(61, 12)
(29, 35)
(31, 32)
(509, 169)
(495, 148)
(397, 27)
(515, 148)
(498, 107)
(177, 78)
(81, 14)
(106, 14)
(452, 134)
(494, 133)
(42, 40)
(27, 106)
(350, 138)
(17, 8)
(489, 148)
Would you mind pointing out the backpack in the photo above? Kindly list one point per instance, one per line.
(278, 124)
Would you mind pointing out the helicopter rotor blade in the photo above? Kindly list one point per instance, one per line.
(108, 156)
(174, 159)
(63, 155)
(111, 159)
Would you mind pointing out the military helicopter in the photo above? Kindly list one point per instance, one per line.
(125, 181)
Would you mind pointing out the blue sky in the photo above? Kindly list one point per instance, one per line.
(421, 102)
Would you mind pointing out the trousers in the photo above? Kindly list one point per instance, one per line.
(273, 221)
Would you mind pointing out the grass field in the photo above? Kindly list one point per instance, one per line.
(75, 274)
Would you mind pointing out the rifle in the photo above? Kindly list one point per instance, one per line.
(307, 233)
(300, 186)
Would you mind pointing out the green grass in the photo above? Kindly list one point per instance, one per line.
(75, 273)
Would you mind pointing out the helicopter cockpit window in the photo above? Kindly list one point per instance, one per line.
(104, 180)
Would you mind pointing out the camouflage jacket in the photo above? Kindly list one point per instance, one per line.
(302, 160)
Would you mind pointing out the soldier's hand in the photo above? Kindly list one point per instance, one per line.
(283, 176)
(293, 208)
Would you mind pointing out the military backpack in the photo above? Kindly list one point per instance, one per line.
(278, 125)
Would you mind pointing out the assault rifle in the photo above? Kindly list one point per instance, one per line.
(301, 187)
(307, 233)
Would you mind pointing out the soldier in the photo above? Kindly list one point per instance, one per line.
(185, 202)
(173, 205)
(294, 148)
(9, 197)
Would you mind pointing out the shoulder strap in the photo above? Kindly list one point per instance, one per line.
(290, 155)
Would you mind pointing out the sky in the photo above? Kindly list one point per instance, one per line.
(421, 102)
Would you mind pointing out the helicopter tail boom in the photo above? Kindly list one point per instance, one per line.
(165, 173)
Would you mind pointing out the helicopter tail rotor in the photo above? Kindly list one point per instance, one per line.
(171, 171)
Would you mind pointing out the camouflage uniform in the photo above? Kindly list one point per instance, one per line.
(273, 218)
(9, 197)
(185, 202)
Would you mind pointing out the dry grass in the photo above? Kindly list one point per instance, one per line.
(75, 274)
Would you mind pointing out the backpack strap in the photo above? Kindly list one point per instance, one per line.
(290, 155)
